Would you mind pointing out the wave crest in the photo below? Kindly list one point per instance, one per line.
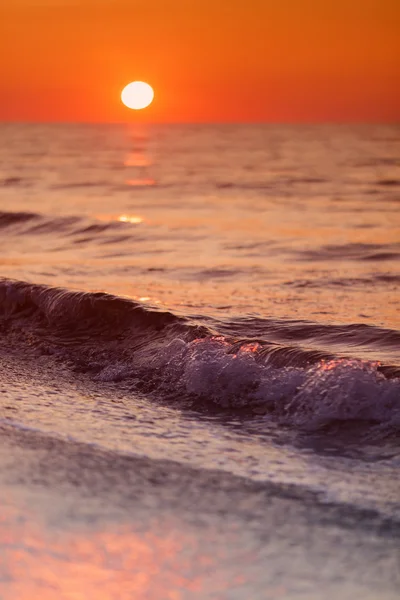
(181, 360)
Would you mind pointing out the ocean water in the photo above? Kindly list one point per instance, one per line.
(225, 298)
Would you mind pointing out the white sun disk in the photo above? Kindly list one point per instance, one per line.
(137, 95)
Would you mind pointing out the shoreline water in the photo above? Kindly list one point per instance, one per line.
(343, 466)
(97, 519)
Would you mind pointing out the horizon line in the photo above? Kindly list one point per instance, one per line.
(202, 123)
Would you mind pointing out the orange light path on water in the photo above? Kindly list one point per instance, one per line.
(112, 563)
(130, 219)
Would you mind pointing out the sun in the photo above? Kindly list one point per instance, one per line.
(137, 95)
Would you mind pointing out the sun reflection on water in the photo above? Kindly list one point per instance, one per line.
(130, 219)
(140, 182)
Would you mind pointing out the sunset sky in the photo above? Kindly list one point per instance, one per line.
(208, 60)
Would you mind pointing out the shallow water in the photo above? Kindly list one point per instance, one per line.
(222, 296)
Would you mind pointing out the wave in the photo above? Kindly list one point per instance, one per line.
(8, 219)
(355, 335)
(11, 181)
(372, 279)
(77, 230)
(192, 362)
(79, 184)
(389, 182)
(353, 251)
(74, 227)
(269, 184)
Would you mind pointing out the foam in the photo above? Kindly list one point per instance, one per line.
(336, 389)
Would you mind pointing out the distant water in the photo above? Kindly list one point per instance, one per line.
(245, 277)
(223, 297)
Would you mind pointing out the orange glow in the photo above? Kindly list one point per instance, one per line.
(137, 95)
(130, 219)
(137, 159)
(114, 562)
(140, 182)
(292, 60)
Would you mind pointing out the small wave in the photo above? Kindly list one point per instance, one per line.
(11, 181)
(327, 335)
(78, 184)
(382, 256)
(270, 184)
(209, 274)
(77, 311)
(352, 252)
(182, 360)
(97, 228)
(240, 185)
(380, 278)
(385, 161)
(307, 180)
(388, 182)
(8, 219)
(387, 278)
(32, 224)
(53, 225)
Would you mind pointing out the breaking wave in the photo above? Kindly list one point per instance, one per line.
(204, 363)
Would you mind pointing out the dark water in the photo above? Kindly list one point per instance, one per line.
(225, 297)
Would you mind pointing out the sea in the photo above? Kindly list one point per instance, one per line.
(199, 362)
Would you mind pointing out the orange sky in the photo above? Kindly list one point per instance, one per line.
(208, 60)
